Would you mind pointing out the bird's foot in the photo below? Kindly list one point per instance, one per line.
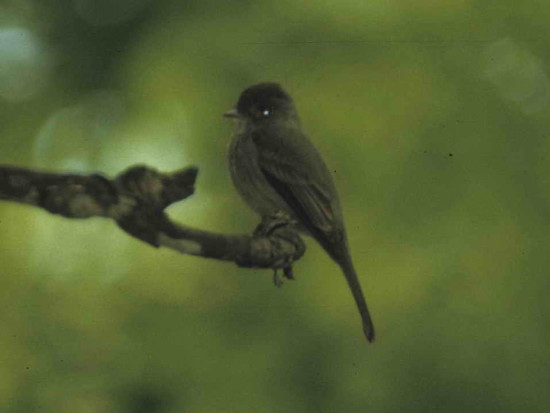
(285, 226)
(278, 279)
(272, 222)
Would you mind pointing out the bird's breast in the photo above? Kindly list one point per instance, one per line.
(250, 181)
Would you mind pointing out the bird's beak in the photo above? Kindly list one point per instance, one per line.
(232, 114)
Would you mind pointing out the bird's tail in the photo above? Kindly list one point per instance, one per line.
(349, 271)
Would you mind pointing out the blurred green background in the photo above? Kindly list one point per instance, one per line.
(434, 117)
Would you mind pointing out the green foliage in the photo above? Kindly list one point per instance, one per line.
(434, 118)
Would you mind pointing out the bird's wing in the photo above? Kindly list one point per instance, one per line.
(295, 170)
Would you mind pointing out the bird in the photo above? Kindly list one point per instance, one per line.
(276, 168)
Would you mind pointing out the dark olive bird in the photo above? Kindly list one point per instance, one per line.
(275, 167)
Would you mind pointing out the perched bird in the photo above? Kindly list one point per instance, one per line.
(276, 168)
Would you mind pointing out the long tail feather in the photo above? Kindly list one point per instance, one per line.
(355, 287)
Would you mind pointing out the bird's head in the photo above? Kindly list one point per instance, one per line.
(263, 101)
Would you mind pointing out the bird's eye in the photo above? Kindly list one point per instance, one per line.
(266, 112)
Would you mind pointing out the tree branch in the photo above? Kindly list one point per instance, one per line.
(136, 200)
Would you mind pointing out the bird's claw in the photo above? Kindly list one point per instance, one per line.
(278, 279)
(287, 272)
(272, 222)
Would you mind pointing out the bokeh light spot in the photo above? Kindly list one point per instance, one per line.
(24, 64)
(71, 138)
